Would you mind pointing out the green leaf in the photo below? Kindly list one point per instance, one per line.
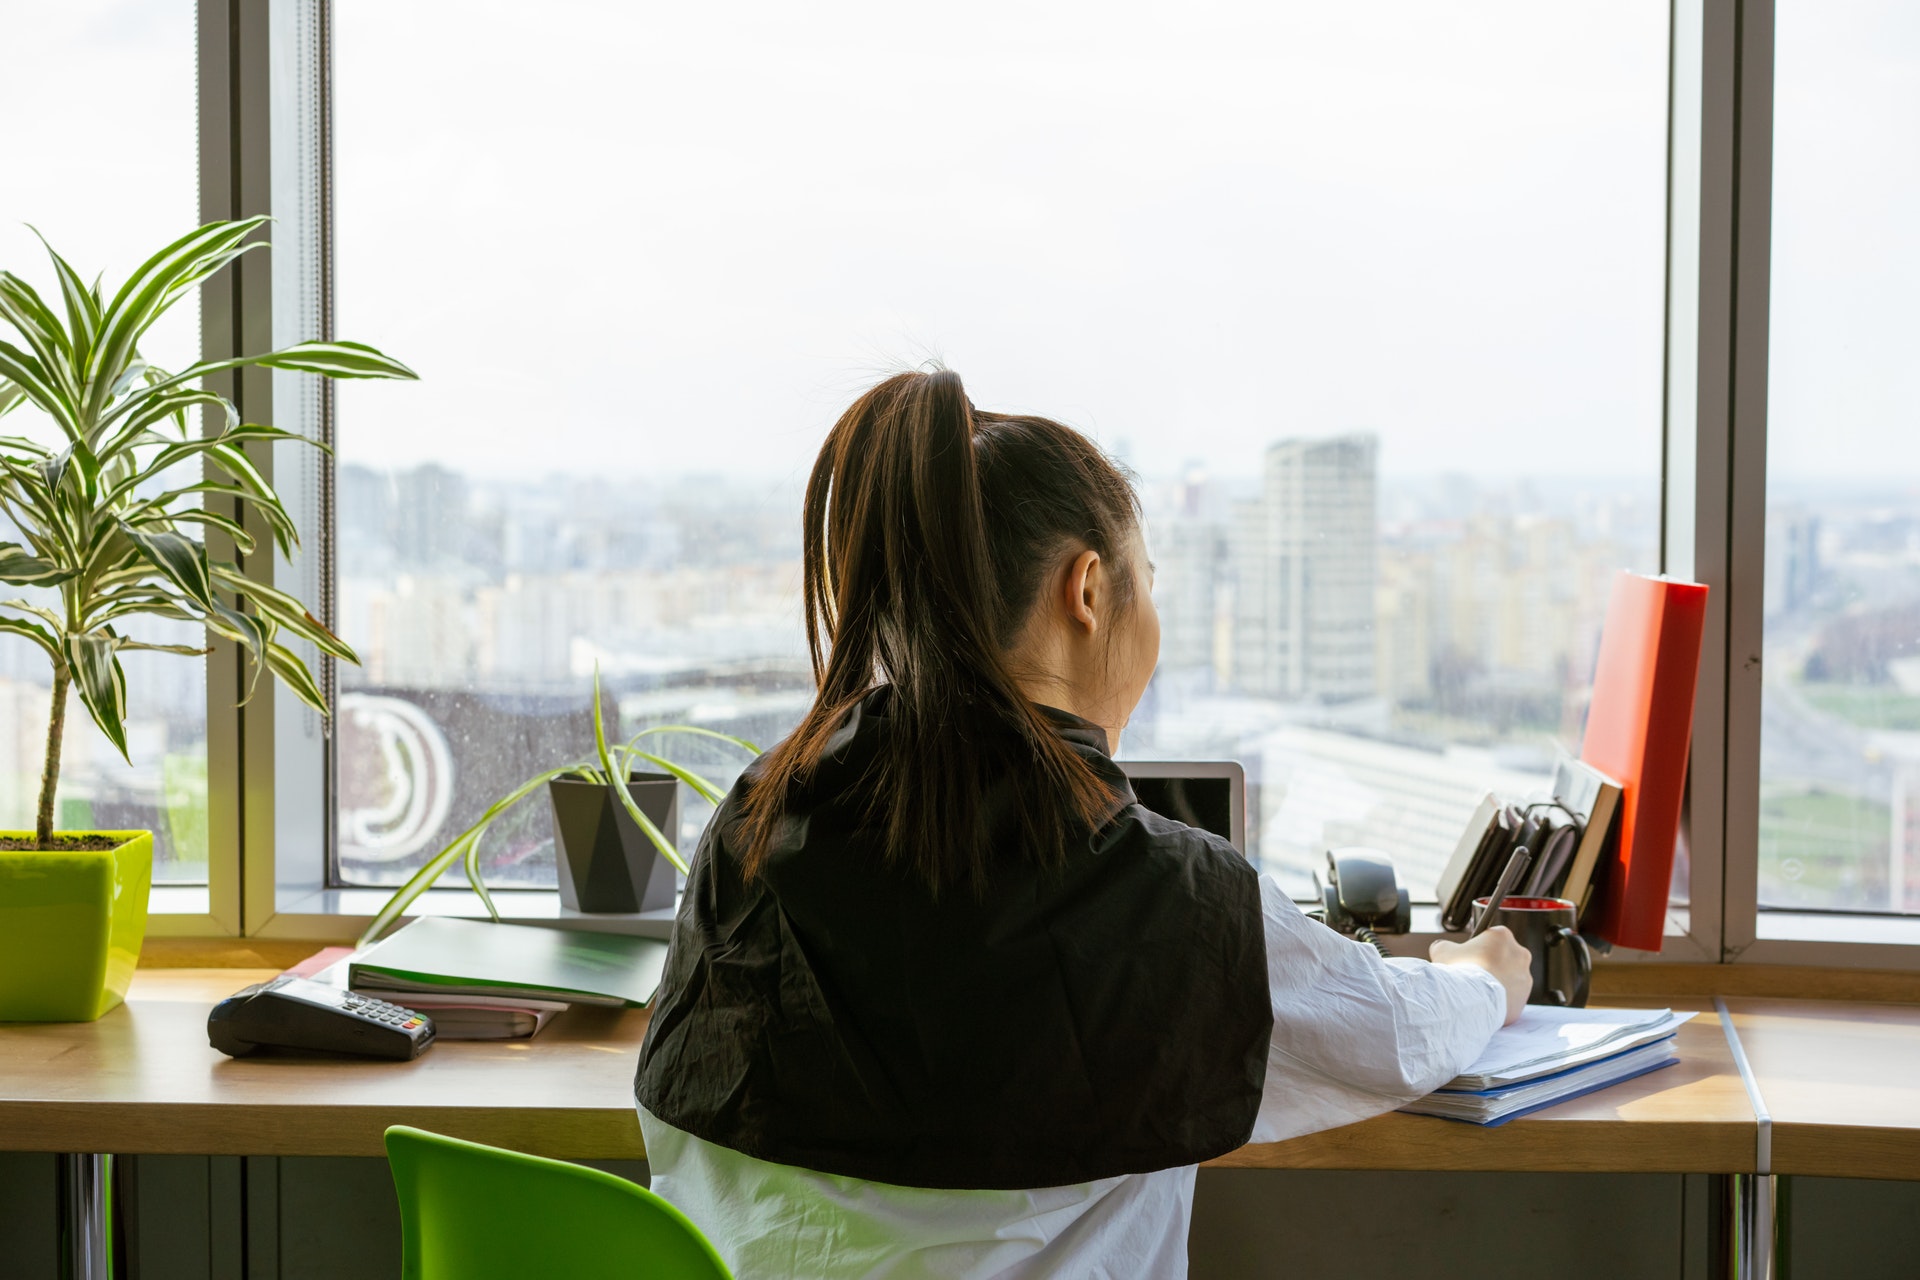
(26, 474)
(246, 629)
(47, 395)
(186, 246)
(114, 470)
(248, 432)
(32, 631)
(172, 456)
(25, 446)
(83, 304)
(617, 783)
(30, 487)
(270, 509)
(195, 515)
(749, 747)
(340, 359)
(22, 308)
(101, 684)
(146, 602)
(153, 287)
(135, 370)
(437, 865)
(288, 613)
(259, 493)
(186, 650)
(221, 452)
(293, 673)
(75, 460)
(478, 881)
(11, 394)
(167, 404)
(110, 556)
(20, 568)
(53, 471)
(182, 560)
(418, 883)
(707, 790)
(47, 616)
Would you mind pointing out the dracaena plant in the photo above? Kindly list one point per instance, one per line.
(108, 499)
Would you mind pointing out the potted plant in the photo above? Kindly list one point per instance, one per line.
(106, 497)
(611, 847)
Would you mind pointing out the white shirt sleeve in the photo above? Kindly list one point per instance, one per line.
(1354, 1034)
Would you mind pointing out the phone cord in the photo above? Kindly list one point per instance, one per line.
(1362, 933)
(1359, 932)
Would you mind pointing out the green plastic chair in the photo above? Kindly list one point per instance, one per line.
(474, 1212)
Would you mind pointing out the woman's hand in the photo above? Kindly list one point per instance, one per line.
(1500, 954)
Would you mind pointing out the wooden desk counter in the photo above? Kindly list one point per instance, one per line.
(144, 1080)
(1841, 1083)
(1689, 1118)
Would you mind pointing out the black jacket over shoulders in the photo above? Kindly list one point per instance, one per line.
(1107, 1018)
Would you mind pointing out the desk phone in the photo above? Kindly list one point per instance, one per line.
(299, 1013)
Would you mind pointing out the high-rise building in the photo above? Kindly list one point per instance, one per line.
(430, 516)
(1793, 560)
(1302, 557)
(1189, 558)
(1403, 628)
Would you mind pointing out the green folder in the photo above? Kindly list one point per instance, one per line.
(471, 957)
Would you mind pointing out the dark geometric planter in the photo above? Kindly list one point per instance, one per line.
(606, 862)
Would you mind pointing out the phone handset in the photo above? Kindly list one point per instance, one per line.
(1362, 897)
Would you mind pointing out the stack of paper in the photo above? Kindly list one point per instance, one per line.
(1551, 1055)
(458, 1017)
(473, 958)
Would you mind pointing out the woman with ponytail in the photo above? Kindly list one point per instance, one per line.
(942, 999)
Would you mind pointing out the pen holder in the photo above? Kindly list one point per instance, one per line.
(1562, 962)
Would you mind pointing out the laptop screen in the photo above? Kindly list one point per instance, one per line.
(1208, 796)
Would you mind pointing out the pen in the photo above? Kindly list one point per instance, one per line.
(1516, 867)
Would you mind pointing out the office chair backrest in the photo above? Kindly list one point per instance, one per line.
(474, 1212)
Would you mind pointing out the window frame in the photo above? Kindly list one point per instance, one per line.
(268, 870)
(1745, 32)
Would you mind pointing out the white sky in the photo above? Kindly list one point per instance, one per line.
(108, 173)
(629, 236)
(1844, 334)
(624, 235)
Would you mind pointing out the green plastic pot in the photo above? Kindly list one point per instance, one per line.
(71, 924)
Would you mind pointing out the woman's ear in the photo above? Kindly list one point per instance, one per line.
(1085, 591)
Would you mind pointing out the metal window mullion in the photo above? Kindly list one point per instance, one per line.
(1747, 473)
(252, 80)
(1700, 318)
(220, 306)
(326, 537)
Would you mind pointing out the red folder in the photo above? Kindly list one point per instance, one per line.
(1639, 728)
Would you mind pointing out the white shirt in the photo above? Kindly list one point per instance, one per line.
(1353, 1036)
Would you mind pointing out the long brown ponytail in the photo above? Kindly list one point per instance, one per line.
(929, 528)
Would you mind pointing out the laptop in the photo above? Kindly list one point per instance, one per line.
(1209, 794)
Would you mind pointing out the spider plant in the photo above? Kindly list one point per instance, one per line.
(107, 500)
(607, 764)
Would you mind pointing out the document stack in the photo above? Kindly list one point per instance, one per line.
(1551, 1055)
(480, 981)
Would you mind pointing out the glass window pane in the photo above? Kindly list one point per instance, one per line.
(1370, 296)
(1840, 746)
(109, 174)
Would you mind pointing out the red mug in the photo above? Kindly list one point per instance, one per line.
(1562, 964)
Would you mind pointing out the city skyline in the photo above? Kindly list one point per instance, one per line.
(1471, 693)
(1488, 602)
(465, 587)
